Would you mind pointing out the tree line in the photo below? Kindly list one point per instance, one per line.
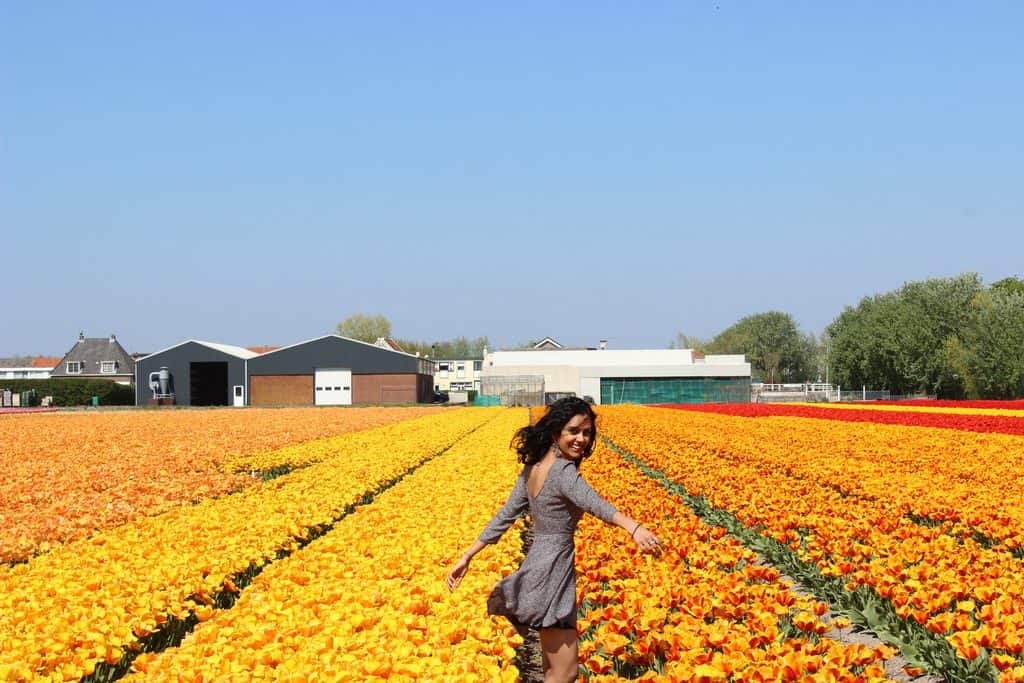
(370, 328)
(950, 337)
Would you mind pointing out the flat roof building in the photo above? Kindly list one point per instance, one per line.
(615, 376)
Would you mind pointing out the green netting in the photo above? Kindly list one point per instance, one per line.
(483, 400)
(675, 390)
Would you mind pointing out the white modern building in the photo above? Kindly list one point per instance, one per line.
(607, 376)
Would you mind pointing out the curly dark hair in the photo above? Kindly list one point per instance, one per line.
(533, 441)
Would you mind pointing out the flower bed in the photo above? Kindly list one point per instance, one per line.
(707, 609)
(367, 600)
(102, 599)
(985, 423)
(336, 569)
(69, 475)
(849, 517)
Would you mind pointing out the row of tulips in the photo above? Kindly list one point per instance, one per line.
(962, 477)
(913, 408)
(1016, 404)
(705, 610)
(304, 453)
(367, 601)
(69, 475)
(101, 599)
(769, 477)
(987, 422)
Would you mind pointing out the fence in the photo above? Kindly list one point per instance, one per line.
(818, 392)
(786, 393)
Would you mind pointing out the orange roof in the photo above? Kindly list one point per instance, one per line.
(262, 349)
(45, 362)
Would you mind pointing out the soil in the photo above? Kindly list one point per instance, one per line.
(528, 659)
(852, 635)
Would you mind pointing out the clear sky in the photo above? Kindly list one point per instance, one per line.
(253, 173)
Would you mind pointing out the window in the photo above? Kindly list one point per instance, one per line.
(460, 369)
(477, 365)
(108, 367)
(442, 369)
(74, 367)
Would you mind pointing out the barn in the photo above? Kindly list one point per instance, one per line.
(328, 370)
(335, 370)
(193, 373)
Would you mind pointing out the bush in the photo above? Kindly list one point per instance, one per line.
(74, 392)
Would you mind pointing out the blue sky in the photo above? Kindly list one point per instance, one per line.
(253, 173)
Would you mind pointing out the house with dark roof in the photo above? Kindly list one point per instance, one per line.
(97, 358)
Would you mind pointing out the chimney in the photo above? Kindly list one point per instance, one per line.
(603, 344)
(81, 336)
(113, 338)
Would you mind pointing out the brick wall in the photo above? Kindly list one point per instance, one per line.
(384, 389)
(281, 390)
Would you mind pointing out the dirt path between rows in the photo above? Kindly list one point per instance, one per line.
(850, 635)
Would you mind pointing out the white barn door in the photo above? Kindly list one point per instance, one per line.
(332, 387)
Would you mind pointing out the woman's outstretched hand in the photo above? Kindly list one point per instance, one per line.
(646, 540)
(457, 572)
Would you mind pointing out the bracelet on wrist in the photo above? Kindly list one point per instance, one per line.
(635, 529)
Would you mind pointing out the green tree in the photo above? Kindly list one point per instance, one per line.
(818, 348)
(685, 341)
(772, 343)
(367, 328)
(449, 349)
(993, 345)
(903, 340)
(1008, 284)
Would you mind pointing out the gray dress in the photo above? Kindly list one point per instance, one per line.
(542, 592)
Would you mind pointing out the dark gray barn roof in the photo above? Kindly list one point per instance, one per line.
(334, 351)
(236, 351)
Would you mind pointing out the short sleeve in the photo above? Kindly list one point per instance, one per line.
(515, 506)
(574, 487)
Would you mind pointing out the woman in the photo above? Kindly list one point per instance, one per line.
(541, 594)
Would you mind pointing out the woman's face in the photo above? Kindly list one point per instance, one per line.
(575, 436)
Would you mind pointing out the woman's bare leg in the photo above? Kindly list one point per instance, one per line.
(561, 653)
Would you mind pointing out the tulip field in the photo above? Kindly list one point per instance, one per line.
(832, 543)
